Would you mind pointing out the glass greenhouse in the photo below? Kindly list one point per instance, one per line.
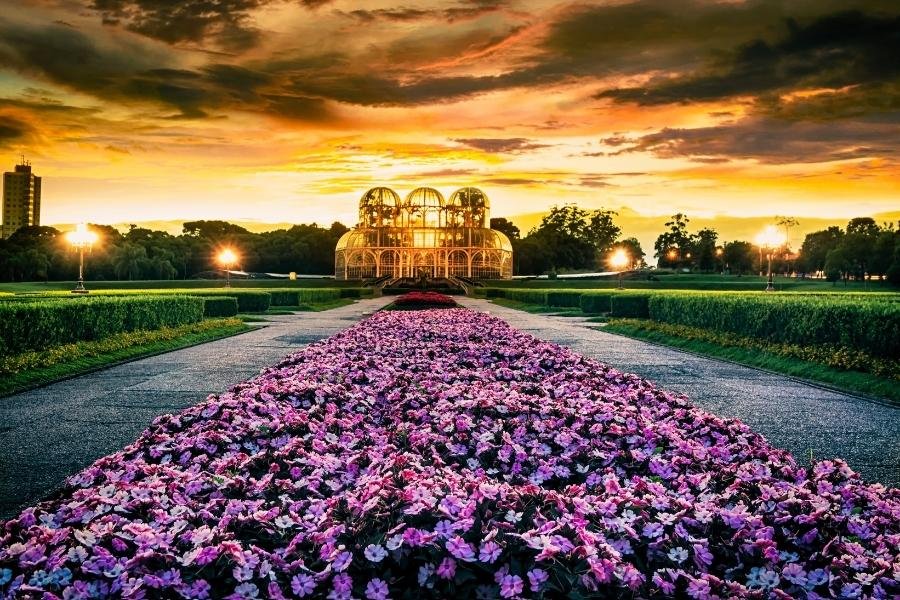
(423, 235)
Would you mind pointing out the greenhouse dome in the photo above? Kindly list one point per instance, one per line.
(423, 235)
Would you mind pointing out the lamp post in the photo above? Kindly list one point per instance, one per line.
(619, 260)
(228, 258)
(770, 238)
(81, 239)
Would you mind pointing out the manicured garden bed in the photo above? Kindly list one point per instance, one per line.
(417, 300)
(441, 453)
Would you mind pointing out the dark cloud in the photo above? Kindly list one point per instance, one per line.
(68, 57)
(776, 141)
(500, 145)
(228, 22)
(13, 129)
(299, 108)
(513, 181)
(595, 181)
(834, 51)
(315, 3)
(442, 173)
(468, 10)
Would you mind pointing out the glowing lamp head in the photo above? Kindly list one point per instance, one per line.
(227, 257)
(82, 237)
(672, 255)
(719, 251)
(770, 237)
(619, 259)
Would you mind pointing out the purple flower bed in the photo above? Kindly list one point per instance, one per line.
(442, 453)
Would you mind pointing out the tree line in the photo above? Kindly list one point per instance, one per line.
(568, 238)
(42, 253)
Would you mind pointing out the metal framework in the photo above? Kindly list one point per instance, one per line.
(423, 235)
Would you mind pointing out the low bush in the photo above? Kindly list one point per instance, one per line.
(318, 295)
(220, 306)
(284, 298)
(356, 292)
(869, 325)
(526, 296)
(38, 325)
(596, 302)
(564, 298)
(629, 304)
(837, 357)
(78, 351)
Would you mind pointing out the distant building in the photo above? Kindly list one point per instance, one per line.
(423, 235)
(21, 199)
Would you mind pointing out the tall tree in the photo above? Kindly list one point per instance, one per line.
(738, 257)
(673, 246)
(506, 227)
(704, 249)
(602, 230)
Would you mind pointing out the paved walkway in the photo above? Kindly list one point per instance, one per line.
(792, 415)
(51, 432)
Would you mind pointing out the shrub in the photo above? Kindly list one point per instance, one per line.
(220, 306)
(356, 292)
(526, 296)
(564, 298)
(629, 304)
(284, 297)
(37, 325)
(869, 325)
(596, 302)
(318, 295)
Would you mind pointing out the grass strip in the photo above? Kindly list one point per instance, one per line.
(758, 353)
(538, 309)
(327, 305)
(32, 369)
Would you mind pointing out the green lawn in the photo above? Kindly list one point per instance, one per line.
(690, 281)
(32, 369)
(55, 286)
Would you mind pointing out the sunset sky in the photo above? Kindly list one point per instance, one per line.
(287, 110)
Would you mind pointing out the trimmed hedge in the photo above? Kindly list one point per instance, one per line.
(596, 302)
(220, 306)
(316, 295)
(284, 298)
(37, 325)
(564, 298)
(869, 325)
(630, 304)
(526, 296)
(356, 292)
(246, 301)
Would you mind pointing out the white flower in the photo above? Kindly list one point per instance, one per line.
(375, 553)
(678, 555)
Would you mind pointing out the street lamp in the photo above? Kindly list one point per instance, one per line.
(81, 239)
(619, 260)
(770, 238)
(228, 258)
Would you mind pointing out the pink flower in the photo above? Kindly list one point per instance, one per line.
(377, 589)
(510, 586)
(460, 549)
(447, 568)
(536, 579)
(490, 551)
(303, 585)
